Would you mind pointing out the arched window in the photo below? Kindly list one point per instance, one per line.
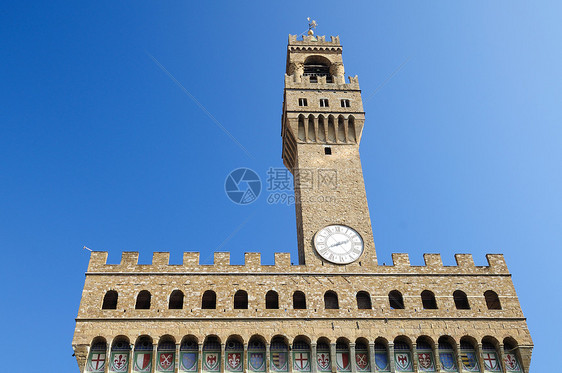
(362, 355)
(490, 357)
(176, 300)
(331, 300)
(323, 360)
(301, 355)
(426, 360)
(364, 301)
(209, 300)
(166, 357)
(271, 300)
(212, 354)
(396, 301)
(299, 300)
(461, 300)
(110, 300)
(447, 355)
(241, 300)
(301, 132)
(234, 350)
(403, 356)
(511, 359)
(315, 66)
(97, 359)
(142, 360)
(143, 300)
(381, 355)
(279, 355)
(256, 351)
(468, 356)
(119, 359)
(189, 354)
(321, 129)
(342, 356)
(428, 300)
(492, 300)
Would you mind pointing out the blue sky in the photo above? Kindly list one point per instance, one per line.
(99, 147)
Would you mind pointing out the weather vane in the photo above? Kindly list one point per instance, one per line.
(311, 26)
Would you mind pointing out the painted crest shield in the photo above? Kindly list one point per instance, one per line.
(97, 363)
(279, 360)
(143, 362)
(234, 361)
(323, 360)
(120, 362)
(188, 361)
(257, 361)
(491, 361)
(166, 362)
(342, 361)
(381, 361)
(511, 363)
(447, 361)
(469, 361)
(301, 361)
(362, 361)
(403, 361)
(425, 362)
(212, 360)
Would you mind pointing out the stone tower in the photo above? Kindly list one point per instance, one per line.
(337, 311)
(322, 124)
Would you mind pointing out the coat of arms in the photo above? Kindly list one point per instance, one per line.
(279, 360)
(189, 361)
(511, 363)
(362, 361)
(301, 361)
(212, 360)
(403, 361)
(425, 362)
(323, 360)
(143, 362)
(97, 363)
(469, 361)
(342, 360)
(166, 362)
(120, 362)
(257, 361)
(234, 361)
(381, 361)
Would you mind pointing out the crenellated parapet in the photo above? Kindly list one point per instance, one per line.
(282, 264)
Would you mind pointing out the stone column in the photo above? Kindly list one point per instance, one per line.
(107, 357)
(372, 356)
(352, 357)
(200, 357)
(267, 362)
(131, 358)
(313, 365)
(245, 358)
(436, 358)
(223, 359)
(459, 360)
(290, 359)
(333, 357)
(154, 355)
(480, 357)
(177, 358)
(415, 356)
(345, 124)
(501, 356)
(391, 356)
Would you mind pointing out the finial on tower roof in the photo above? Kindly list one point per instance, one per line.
(311, 26)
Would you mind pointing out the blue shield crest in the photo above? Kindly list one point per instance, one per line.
(188, 361)
(257, 361)
(381, 361)
(469, 361)
(447, 361)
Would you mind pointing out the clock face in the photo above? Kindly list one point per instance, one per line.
(338, 244)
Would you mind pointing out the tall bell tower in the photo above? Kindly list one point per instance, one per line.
(322, 124)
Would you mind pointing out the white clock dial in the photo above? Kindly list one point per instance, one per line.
(338, 244)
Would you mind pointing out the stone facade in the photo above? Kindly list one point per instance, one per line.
(147, 314)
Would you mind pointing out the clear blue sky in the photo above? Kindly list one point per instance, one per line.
(99, 147)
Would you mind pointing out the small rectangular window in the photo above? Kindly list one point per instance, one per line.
(324, 102)
(345, 103)
(328, 150)
(303, 102)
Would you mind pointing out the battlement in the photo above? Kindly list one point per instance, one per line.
(303, 82)
(252, 264)
(311, 40)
